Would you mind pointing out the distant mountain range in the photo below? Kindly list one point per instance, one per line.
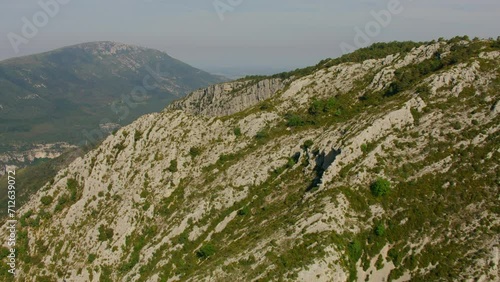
(81, 93)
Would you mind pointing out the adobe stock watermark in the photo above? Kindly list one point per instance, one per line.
(224, 6)
(381, 19)
(41, 18)
(122, 107)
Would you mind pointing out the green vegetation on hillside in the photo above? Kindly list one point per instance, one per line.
(424, 189)
(374, 51)
(29, 180)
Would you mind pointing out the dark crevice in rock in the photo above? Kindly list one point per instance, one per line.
(323, 161)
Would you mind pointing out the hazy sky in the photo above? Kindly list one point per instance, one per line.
(252, 33)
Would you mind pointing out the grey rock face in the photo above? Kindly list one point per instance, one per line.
(229, 98)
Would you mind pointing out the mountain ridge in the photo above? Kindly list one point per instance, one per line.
(351, 171)
(85, 91)
(91, 45)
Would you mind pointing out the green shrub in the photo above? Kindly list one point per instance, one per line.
(379, 230)
(47, 200)
(173, 166)
(322, 106)
(91, 258)
(456, 125)
(380, 187)
(237, 131)
(61, 202)
(406, 76)
(25, 218)
(105, 274)
(316, 107)
(496, 44)
(72, 186)
(261, 135)
(137, 135)
(158, 156)
(105, 233)
(244, 211)
(265, 106)
(294, 120)
(380, 263)
(291, 162)
(364, 148)
(195, 151)
(119, 147)
(423, 89)
(206, 251)
(144, 194)
(307, 144)
(394, 256)
(223, 158)
(355, 250)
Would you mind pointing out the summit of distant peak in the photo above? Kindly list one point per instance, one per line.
(107, 47)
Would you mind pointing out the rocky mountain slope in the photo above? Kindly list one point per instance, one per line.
(381, 169)
(81, 93)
